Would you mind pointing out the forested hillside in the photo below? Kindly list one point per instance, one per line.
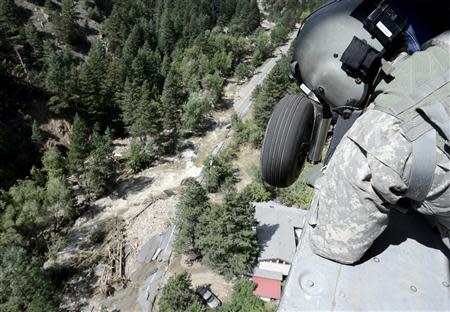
(75, 75)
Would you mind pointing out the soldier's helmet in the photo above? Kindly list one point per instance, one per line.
(339, 50)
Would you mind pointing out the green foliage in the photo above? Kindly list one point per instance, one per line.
(196, 307)
(36, 134)
(279, 34)
(172, 99)
(228, 235)
(298, 194)
(193, 204)
(100, 169)
(263, 48)
(140, 155)
(246, 132)
(177, 295)
(196, 111)
(218, 172)
(53, 162)
(244, 71)
(256, 192)
(66, 23)
(273, 89)
(244, 300)
(142, 115)
(23, 285)
(92, 75)
(60, 80)
(79, 146)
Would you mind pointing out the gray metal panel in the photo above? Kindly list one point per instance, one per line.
(407, 268)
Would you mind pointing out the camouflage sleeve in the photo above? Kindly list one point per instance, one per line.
(357, 189)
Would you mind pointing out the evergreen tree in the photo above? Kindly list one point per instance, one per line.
(147, 118)
(59, 200)
(253, 16)
(274, 87)
(36, 133)
(166, 38)
(172, 100)
(61, 80)
(177, 295)
(92, 76)
(112, 88)
(79, 146)
(100, 168)
(193, 203)
(24, 286)
(218, 172)
(243, 299)
(8, 16)
(53, 162)
(26, 213)
(228, 239)
(146, 66)
(66, 23)
(195, 112)
(131, 48)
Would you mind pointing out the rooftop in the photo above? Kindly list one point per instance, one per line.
(267, 288)
(275, 230)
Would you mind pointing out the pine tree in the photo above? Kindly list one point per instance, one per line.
(59, 200)
(66, 23)
(172, 100)
(146, 66)
(112, 87)
(53, 162)
(36, 134)
(24, 285)
(100, 168)
(228, 239)
(166, 38)
(253, 16)
(91, 81)
(177, 295)
(272, 90)
(195, 112)
(193, 204)
(147, 118)
(79, 146)
(243, 299)
(8, 15)
(131, 48)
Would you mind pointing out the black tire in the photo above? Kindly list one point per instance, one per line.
(286, 142)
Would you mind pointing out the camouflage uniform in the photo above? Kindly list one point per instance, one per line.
(370, 169)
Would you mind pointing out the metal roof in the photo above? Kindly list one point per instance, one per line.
(267, 288)
(275, 230)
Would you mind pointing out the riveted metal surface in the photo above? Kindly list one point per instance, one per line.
(407, 268)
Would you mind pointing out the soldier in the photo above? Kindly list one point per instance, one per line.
(396, 155)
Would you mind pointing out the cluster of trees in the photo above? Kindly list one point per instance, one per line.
(223, 235)
(178, 296)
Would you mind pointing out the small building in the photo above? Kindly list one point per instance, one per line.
(278, 232)
(268, 284)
